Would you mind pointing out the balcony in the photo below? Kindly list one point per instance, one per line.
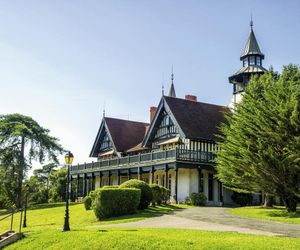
(147, 159)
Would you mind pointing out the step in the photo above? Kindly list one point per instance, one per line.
(9, 237)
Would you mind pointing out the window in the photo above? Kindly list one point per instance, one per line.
(201, 183)
(252, 60)
(210, 187)
(258, 61)
(170, 182)
(245, 62)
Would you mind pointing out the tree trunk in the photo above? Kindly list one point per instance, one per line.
(21, 172)
(291, 204)
(268, 201)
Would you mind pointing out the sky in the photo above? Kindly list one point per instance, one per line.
(62, 62)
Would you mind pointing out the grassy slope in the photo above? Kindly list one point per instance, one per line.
(51, 216)
(45, 223)
(275, 214)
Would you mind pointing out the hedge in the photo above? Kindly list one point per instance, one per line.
(160, 194)
(111, 202)
(87, 201)
(198, 199)
(146, 193)
(156, 194)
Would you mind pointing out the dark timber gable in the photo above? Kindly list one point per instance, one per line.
(163, 126)
(103, 142)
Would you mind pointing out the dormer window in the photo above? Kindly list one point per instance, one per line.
(252, 60)
(245, 62)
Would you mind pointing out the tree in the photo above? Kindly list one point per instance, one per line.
(58, 188)
(27, 141)
(37, 190)
(43, 175)
(261, 141)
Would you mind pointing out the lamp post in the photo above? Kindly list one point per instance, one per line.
(25, 205)
(68, 159)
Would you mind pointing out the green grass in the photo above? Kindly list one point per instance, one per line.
(275, 214)
(131, 238)
(51, 216)
(45, 223)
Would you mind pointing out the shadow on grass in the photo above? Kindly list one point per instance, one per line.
(284, 214)
(50, 205)
(280, 212)
(148, 213)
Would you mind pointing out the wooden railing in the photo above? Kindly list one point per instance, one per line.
(154, 156)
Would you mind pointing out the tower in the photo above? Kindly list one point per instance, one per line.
(252, 59)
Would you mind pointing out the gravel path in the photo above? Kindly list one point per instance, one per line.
(215, 219)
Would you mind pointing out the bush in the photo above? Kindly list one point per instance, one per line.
(156, 194)
(146, 193)
(198, 199)
(241, 198)
(87, 200)
(111, 202)
(165, 194)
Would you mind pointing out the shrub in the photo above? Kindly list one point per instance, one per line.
(165, 194)
(241, 198)
(198, 199)
(116, 201)
(156, 194)
(87, 201)
(188, 201)
(146, 193)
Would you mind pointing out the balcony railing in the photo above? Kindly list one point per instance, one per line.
(144, 159)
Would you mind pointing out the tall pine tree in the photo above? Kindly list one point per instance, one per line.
(260, 150)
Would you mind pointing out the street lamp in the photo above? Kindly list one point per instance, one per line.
(25, 204)
(68, 159)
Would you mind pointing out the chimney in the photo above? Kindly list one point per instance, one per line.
(192, 98)
(152, 113)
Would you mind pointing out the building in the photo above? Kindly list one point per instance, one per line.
(175, 149)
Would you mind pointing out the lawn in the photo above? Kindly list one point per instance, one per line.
(275, 214)
(45, 223)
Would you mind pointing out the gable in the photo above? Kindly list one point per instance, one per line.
(163, 126)
(103, 142)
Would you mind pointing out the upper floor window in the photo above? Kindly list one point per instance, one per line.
(245, 62)
(252, 60)
(258, 60)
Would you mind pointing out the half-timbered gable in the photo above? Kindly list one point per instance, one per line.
(163, 129)
(103, 146)
(116, 137)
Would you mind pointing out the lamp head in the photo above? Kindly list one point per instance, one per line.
(69, 158)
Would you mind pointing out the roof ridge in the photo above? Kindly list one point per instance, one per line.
(206, 103)
(126, 120)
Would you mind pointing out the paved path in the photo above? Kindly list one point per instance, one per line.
(215, 219)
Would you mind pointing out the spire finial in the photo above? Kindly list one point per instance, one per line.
(103, 109)
(251, 22)
(172, 75)
(162, 85)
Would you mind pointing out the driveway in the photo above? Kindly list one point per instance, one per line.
(215, 219)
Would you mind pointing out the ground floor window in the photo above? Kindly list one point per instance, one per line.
(201, 189)
(210, 187)
(170, 182)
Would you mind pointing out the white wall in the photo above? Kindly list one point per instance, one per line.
(237, 98)
(183, 184)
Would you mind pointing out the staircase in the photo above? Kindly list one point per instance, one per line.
(9, 237)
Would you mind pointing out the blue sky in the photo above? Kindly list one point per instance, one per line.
(60, 61)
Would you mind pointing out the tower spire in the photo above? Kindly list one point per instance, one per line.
(251, 23)
(172, 92)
